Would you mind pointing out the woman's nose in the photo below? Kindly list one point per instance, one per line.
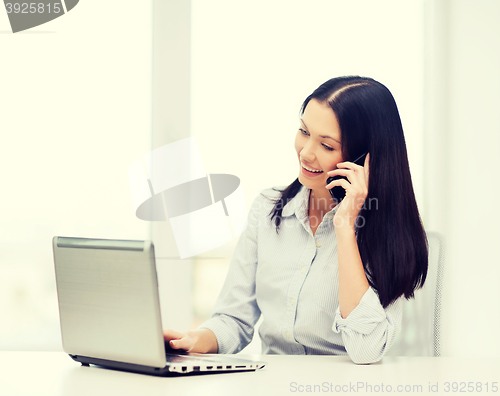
(307, 153)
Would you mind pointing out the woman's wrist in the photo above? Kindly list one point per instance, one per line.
(193, 334)
(344, 228)
(345, 221)
(204, 341)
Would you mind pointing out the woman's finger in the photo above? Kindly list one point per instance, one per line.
(179, 344)
(337, 172)
(351, 175)
(186, 343)
(339, 182)
(352, 179)
(340, 172)
(349, 165)
(356, 188)
(169, 334)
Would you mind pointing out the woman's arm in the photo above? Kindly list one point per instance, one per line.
(236, 311)
(352, 279)
(368, 330)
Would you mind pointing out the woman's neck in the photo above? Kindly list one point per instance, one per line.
(320, 204)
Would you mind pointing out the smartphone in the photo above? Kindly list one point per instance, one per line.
(338, 192)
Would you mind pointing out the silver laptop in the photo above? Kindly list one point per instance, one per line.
(110, 311)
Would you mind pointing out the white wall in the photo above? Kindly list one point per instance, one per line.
(171, 121)
(75, 109)
(254, 63)
(467, 164)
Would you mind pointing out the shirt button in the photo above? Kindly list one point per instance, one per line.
(288, 335)
(303, 269)
(318, 244)
(330, 215)
(292, 301)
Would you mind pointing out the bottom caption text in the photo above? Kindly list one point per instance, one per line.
(366, 387)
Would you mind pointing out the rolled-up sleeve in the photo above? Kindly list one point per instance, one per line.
(236, 310)
(369, 330)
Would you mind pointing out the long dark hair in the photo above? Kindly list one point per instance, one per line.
(391, 239)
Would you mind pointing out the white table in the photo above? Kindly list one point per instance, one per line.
(54, 373)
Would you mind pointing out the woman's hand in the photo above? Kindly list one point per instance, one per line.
(198, 341)
(178, 340)
(356, 191)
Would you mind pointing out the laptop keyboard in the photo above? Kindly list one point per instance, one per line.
(180, 356)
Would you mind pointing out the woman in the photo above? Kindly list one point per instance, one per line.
(331, 277)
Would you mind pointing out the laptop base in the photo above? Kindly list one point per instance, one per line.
(141, 369)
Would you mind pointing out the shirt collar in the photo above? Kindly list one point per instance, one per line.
(299, 204)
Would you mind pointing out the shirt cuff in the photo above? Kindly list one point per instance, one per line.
(362, 319)
(224, 333)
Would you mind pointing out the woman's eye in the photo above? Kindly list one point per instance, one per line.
(304, 132)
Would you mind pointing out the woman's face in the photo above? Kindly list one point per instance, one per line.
(318, 146)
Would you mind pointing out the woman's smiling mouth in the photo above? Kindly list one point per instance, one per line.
(308, 168)
(310, 172)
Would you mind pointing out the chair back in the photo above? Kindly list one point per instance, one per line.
(421, 324)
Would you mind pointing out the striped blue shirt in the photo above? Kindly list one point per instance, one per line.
(291, 279)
